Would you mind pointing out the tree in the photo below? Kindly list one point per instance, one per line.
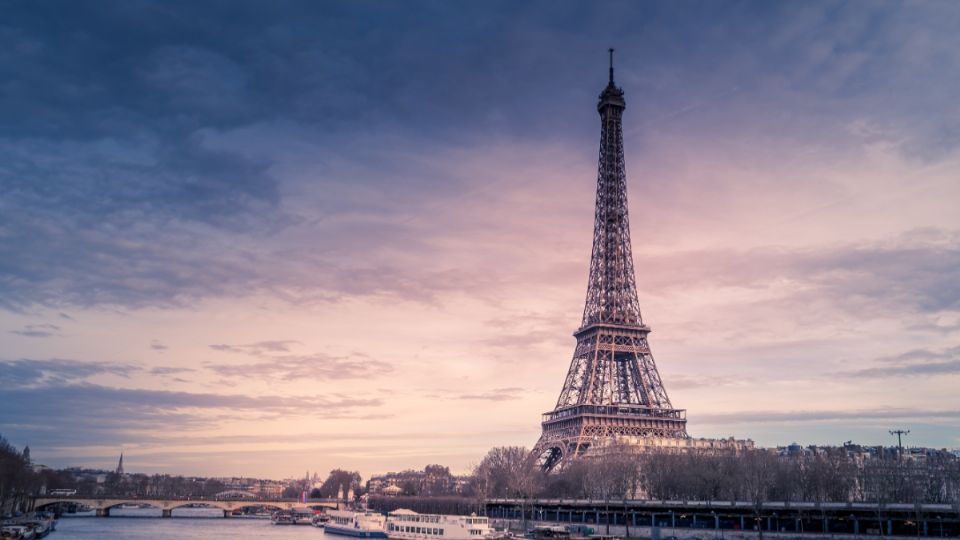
(340, 478)
(509, 471)
(616, 475)
(757, 479)
(17, 479)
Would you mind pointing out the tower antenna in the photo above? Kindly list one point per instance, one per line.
(611, 65)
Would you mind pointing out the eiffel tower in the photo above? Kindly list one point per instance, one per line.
(612, 389)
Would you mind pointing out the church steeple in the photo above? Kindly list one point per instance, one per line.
(120, 464)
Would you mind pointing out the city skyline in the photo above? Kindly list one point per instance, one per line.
(358, 235)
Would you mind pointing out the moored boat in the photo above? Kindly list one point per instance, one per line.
(283, 518)
(409, 525)
(358, 524)
(17, 532)
(292, 517)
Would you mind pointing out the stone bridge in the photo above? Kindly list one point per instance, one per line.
(103, 505)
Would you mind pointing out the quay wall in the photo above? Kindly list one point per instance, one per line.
(709, 519)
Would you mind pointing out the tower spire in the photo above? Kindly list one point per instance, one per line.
(611, 66)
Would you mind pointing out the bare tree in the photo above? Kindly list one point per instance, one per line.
(509, 471)
(757, 478)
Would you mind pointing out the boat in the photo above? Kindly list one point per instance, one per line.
(292, 517)
(552, 533)
(303, 516)
(320, 521)
(17, 532)
(359, 524)
(283, 518)
(409, 525)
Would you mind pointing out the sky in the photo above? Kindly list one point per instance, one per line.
(251, 238)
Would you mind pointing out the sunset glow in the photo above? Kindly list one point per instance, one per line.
(296, 239)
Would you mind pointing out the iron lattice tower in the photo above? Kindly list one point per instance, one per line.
(612, 388)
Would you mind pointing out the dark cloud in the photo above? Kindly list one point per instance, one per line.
(26, 373)
(171, 371)
(951, 367)
(83, 414)
(124, 182)
(156, 345)
(38, 330)
(906, 275)
(922, 355)
(914, 363)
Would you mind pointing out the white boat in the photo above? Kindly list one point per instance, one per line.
(283, 518)
(359, 524)
(409, 525)
(295, 516)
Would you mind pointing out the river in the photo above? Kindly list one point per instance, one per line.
(186, 524)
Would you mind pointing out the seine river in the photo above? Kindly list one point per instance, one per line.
(186, 524)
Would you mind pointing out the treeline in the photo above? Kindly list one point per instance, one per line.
(426, 504)
(433, 481)
(337, 480)
(755, 476)
(138, 485)
(829, 475)
(17, 479)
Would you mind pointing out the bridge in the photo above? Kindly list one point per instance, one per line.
(103, 505)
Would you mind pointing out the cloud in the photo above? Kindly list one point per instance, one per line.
(922, 355)
(309, 155)
(776, 417)
(913, 363)
(26, 373)
(86, 414)
(156, 345)
(685, 382)
(171, 371)
(38, 330)
(495, 394)
(188, 153)
(916, 275)
(951, 367)
(278, 365)
(259, 349)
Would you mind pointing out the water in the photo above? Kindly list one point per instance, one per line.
(186, 524)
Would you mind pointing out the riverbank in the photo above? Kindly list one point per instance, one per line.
(641, 532)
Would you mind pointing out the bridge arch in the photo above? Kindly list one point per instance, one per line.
(103, 505)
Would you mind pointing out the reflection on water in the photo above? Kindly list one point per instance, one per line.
(186, 524)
